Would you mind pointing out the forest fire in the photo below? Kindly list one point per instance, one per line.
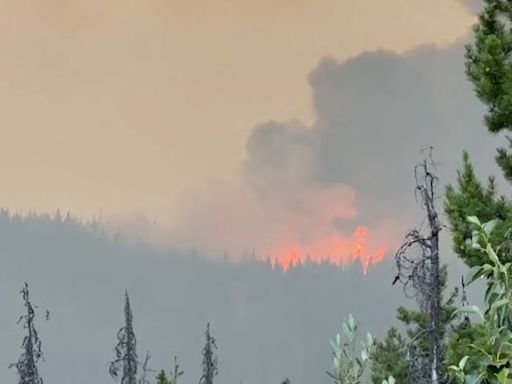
(337, 250)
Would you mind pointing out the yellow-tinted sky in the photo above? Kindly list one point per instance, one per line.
(117, 106)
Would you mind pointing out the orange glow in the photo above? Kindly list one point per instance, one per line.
(290, 258)
(336, 249)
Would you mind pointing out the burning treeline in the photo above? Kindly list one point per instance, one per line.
(335, 250)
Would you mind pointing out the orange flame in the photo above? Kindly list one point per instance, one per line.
(336, 250)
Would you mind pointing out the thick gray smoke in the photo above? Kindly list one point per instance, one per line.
(310, 187)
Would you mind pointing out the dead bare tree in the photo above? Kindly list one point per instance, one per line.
(31, 345)
(464, 303)
(143, 377)
(125, 350)
(209, 358)
(176, 373)
(417, 262)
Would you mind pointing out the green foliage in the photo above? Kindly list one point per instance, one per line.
(162, 378)
(471, 198)
(350, 361)
(489, 68)
(486, 348)
(462, 342)
(389, 380)
(493, 357)
(174, 374)
(390, 356)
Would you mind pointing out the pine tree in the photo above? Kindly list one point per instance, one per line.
(471, 198)
(125, 365)
(403, 356)
(32, 351)
(162, 378)
(464, 341)
(209, 358)
(389, 358)
(489, 68)
(174, 375)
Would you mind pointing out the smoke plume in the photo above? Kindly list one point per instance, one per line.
(343, 188)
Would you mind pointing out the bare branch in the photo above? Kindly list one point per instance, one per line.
(31, 345)
(417, 262)
(125, 350)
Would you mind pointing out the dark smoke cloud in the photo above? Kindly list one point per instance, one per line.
(378, 110)
(354, 166)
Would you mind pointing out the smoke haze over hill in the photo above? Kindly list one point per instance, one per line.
(268, 324)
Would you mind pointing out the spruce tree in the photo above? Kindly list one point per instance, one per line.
(124, 367)
(470, 197)
(174, 374)
(489, 68)
(31, 345)
(389, 358)
(209, 358)
(162, 378)
(400, 356)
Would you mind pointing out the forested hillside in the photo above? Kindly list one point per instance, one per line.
(269, 324)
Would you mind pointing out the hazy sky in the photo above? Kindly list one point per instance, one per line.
(123, 106)
(276, 127)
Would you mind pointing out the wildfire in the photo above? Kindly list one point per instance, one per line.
(336, 250)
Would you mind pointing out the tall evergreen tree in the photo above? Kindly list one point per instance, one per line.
(470, 197)
(124, 367)
(31, 345)
(489, 68)
(390, 358)
(209, 358)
